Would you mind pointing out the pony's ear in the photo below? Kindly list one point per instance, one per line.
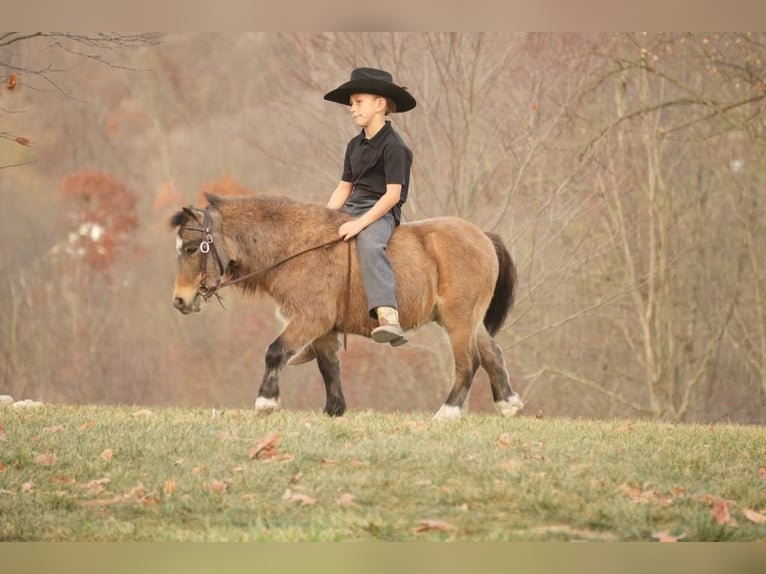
(191, 213)
(181, 218)
(213, 199)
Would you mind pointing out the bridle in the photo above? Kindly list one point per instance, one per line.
(208, 248)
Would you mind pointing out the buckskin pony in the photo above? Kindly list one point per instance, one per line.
(447, 270)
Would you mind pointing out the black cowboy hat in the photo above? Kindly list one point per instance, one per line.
(372, 81)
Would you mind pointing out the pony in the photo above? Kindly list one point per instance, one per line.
(447, 270)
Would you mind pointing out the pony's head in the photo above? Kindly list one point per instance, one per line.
(202, 258)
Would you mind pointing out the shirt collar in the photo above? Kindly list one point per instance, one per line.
(378, 137)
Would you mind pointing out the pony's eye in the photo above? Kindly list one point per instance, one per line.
(190, 249)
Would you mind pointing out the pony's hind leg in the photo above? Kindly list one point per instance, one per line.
(326, 351)
(507, 402)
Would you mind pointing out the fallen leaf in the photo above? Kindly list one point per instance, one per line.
(2, 467)
(28, 486)
(721, 514)
(754, 516)
(95, 487)
(169, 487)
(64, 479)
(21, 140)
(539, 415)
(219, 486)
(138, 492)
(762, 473)
(13, 80)
(504, 440)
(347, 499)
(664, 536)
(107, 455)
(441, 526)
(304, 499)
(87, 425)
(46, 459)
(266, 448)
(199, 470)
(142, 414)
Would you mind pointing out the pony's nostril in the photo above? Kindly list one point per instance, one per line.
(178, 303)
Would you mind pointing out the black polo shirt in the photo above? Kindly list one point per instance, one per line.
(371, 164)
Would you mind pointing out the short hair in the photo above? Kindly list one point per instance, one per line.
(390, 106)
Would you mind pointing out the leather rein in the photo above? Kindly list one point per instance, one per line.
(207, 247)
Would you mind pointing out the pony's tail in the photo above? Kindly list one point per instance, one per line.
(502, 298)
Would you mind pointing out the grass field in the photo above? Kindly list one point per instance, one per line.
(97, 473)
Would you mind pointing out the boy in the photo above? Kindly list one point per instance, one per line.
(373, 187)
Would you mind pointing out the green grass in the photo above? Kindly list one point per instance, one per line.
(184, 474)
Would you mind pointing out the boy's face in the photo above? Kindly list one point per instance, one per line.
(365, 107)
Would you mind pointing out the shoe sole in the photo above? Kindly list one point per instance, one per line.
(385, 336)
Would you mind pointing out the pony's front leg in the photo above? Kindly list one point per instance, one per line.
(277, 356)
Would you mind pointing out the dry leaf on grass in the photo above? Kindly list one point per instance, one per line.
(218, 486)
(664, 536)
(347, 500)
(304, 499)
(721, 514)
(266, 448)
(754, 516)
(504, 440)
(426, 525)
(88, 425)
(46, 459)
(107, 455)
(28, 486)
(169, 487)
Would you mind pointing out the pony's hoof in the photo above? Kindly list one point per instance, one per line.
(447, 412)
(264, 406)
(510, 407)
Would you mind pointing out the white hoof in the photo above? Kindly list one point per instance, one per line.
(510, 407)
(264, 406)
(447, 412)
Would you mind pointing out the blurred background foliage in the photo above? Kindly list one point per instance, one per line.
(624, 171)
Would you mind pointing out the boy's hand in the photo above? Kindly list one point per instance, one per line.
(350, 229)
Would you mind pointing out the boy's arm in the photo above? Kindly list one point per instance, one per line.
(383, 206)
(340, 195)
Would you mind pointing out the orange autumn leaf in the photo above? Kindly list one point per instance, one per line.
(219, 486)
(721, 514)
(46, 459)
(441, 526)
(664, 536)
(347, 499)
(21, 140)
(303, 499)
(169, 487)
(107, 455)
(88, 425)
(13, 80)
(504, 440)
(266, 448)
(754, 516)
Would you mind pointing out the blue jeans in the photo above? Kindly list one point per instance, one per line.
(375, 267)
